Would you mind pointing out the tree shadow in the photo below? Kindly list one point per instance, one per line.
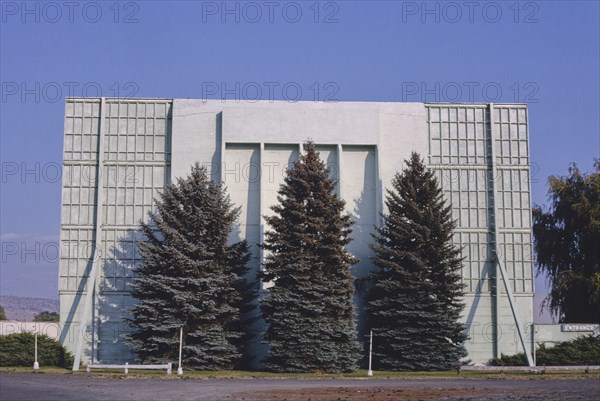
(70, 332)
(487, 273)
(115, 299)
(216, 162)
(254, 350)
(364, 216)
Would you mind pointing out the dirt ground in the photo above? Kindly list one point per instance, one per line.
(67, 387)
(361, 394)
(424, 394)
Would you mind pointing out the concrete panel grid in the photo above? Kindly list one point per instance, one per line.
(150, 142)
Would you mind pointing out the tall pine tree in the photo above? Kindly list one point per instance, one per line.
(190, 277)
(309, 308)
(416, 296)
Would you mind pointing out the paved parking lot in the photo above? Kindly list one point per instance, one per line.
(65, 387)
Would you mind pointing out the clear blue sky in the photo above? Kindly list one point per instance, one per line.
(543, 53)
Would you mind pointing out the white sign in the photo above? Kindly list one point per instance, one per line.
(579, 327)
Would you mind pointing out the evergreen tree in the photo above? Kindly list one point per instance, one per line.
(415, 300)
(309, 308)
(190, 277)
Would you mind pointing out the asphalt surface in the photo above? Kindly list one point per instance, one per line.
(48, 387)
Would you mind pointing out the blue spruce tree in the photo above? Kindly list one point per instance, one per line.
(309, 309)
(191, 278)
(416, 296)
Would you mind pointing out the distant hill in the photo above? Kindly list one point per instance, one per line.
(24, 308)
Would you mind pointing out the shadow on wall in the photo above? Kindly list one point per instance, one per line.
(216, 162)
(364, 216)
(362, 285)
(486, 277)
(103, 333)
(70, 326)
(115, 300)
(256, 349)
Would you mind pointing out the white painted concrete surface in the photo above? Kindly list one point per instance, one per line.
(249, 145)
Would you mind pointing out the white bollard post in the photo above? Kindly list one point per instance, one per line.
(126, 368)
(370, 371)
(180, 369)
(533, 343)
(36, 365)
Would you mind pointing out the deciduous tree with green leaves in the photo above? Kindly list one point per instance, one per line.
(416, 297)
(566, 243)
(46, 316)
(309, 307)
(191, 278)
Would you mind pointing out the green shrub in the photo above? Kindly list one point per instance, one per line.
(18, 350)
(46, 316)
(581, 351)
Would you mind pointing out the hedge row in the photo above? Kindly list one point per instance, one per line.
(581, 351)
(18, 350)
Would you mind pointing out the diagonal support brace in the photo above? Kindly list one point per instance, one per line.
(513, 308)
